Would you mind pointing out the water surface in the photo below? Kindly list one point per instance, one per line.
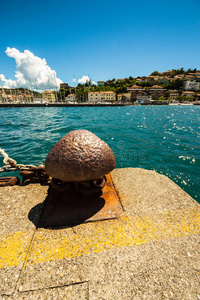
(161, 138)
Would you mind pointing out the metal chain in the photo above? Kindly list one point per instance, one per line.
(11, 164)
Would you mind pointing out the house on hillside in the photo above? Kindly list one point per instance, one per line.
(135, 90)
(189, 94)
(64, 86)
(100, 83)
(191, 85)
(197, 76)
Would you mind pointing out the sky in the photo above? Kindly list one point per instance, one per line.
(46, 42)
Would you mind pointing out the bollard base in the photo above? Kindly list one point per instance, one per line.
(70, 207)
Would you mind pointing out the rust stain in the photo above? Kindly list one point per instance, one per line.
(9, 181)
(112, 207)
(69, 207)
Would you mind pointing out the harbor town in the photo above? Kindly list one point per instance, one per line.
(171, 87)
(99, 150)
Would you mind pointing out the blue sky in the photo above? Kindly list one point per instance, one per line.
(102, 39)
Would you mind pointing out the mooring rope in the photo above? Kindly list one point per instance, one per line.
(7, 160)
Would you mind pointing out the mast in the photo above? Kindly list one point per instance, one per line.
(74, 80)
(55, 85)
(16, 93)
(31, 98)
(25, 95)
(31, 91)
(10, 89)
(20, 94)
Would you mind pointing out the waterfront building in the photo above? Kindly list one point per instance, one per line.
(188, 94)
(102, 97)
(144, 97)
(173, 94)
(38, 100)
(70, 98)
(124, 97)
(49, 96)
(135, 90)
(156, 90)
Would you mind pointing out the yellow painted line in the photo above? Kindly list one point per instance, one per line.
(93, 237)
(13, 248)
(101, 236)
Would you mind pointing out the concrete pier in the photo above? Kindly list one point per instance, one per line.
(150, 252)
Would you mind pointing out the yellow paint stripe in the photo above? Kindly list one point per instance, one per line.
(102, 236)
(96, 236)
(13, 248)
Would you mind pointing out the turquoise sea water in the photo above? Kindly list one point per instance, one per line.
(161, 138)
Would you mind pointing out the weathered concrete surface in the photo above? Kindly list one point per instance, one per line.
(147, 192)
(72, 292)
(17, 206)
(151, 252)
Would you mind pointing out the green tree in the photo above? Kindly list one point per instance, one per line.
(155, 73)
(162, 98)
(189, 99)
(175, 84)
(180, 98)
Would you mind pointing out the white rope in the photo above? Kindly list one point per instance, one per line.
(7, 160)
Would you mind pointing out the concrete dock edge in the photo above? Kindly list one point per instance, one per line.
(150, 252)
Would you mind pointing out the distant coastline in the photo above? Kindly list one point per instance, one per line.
(74, 105)
(88, 104)
(60, 104)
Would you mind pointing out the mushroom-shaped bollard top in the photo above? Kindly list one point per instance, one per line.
(79, 156)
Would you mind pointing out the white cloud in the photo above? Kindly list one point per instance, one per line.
(32, 72)
(85, 79)
(7, 83)
(2, 77)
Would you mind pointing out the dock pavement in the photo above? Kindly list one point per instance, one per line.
(150, 252)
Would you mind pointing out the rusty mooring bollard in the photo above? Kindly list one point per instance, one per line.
(80, 159)
(78, 165)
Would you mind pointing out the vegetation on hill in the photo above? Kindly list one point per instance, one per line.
(120, 86)
(20, 91)
(174, 72)
(166, 79)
